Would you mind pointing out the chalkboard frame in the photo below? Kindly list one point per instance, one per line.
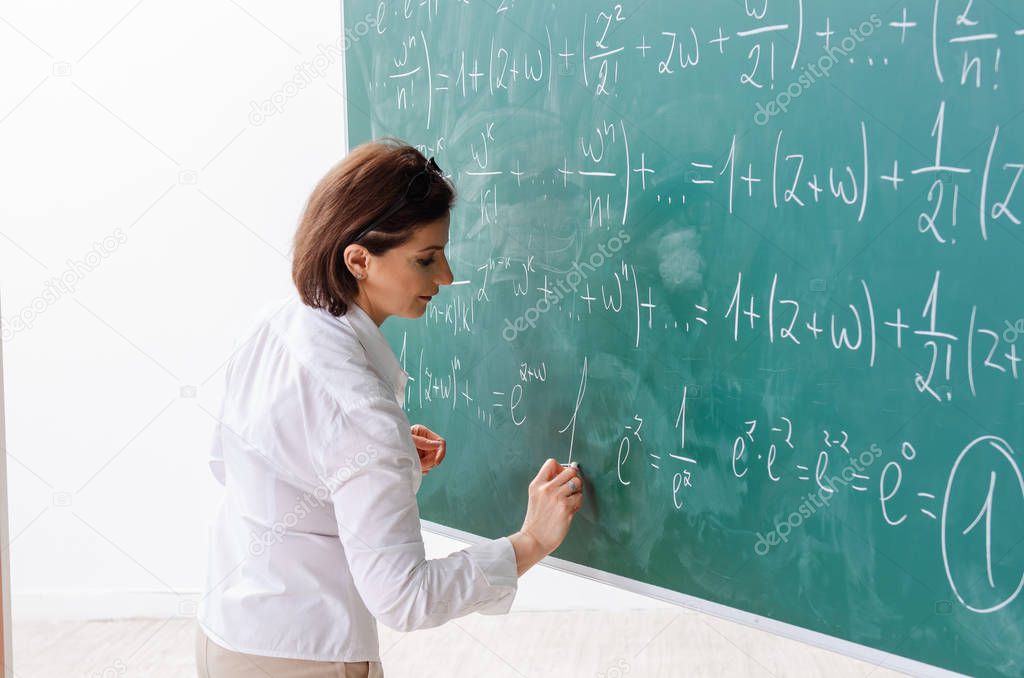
(755, 621)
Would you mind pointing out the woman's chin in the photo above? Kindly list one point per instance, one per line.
(414, 313)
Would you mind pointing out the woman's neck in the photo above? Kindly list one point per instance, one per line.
(378, 317)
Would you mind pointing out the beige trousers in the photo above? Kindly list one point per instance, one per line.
(214, 661)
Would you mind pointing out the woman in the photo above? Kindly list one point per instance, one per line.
(318, 535)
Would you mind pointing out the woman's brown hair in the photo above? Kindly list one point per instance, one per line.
(358, 190)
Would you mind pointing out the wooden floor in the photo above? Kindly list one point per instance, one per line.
(596, 644)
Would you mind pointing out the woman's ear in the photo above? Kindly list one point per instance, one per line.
(357, 260)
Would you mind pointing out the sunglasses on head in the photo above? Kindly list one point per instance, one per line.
(416, 191)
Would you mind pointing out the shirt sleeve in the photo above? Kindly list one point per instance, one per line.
(372, 471)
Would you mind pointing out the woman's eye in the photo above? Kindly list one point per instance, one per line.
(425, 262)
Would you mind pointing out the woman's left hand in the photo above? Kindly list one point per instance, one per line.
(429, 446)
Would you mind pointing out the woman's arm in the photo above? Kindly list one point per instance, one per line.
(372, 470)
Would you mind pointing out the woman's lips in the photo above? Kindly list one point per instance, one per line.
(426, 298)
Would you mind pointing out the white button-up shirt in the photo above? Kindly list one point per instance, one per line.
(318, 534)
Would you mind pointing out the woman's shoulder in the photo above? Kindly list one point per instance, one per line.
(329, 349)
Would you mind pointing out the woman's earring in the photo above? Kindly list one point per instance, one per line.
(360, 276)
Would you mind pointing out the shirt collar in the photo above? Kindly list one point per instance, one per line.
(378, 351)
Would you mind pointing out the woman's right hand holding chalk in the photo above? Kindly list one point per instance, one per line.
(555, 495)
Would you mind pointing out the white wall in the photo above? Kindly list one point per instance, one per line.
(135, 172)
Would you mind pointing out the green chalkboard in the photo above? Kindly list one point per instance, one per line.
(758, 268)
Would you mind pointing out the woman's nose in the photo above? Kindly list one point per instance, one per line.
(445, 277)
